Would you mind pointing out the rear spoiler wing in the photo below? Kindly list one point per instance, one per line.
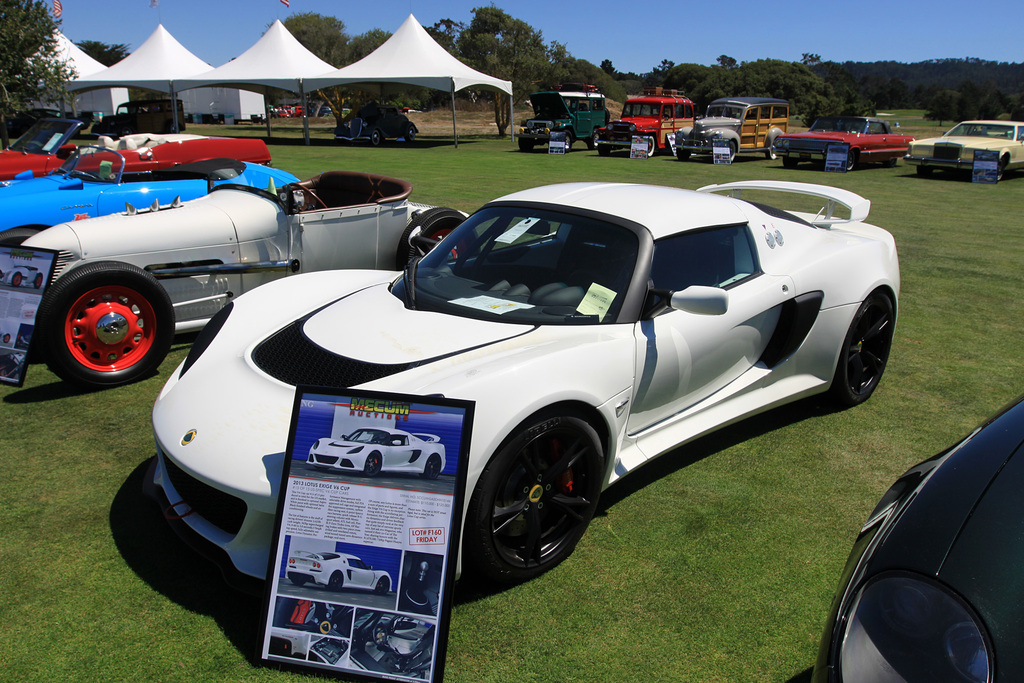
(858, 206)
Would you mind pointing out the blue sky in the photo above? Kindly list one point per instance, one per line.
(694, 32)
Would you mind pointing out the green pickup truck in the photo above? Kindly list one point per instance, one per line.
(574, 109)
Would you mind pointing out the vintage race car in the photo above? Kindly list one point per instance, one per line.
(125, 283)
(93, 182)
(595, 326)
(336, 571)
(870, 139)
(22, 276)
(372, 451)
(955, 150)
(46, 145)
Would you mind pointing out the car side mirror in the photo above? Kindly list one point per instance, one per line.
(700, 300)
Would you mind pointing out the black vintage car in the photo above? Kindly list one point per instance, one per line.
(376, 123)
(932, 589)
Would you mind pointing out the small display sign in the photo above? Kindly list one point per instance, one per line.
(721, 150)
(836, 156)
(558, 142)
(986, 166)
(638, 147)
(24, 276)
(366, 538)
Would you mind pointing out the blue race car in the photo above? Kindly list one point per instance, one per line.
(92, 182)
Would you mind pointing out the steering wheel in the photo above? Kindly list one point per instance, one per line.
(317, 202)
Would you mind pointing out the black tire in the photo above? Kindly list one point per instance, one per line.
(139, 322)
(15, 236)
(423, 230)
(526, 144)
(652, 146)
(371, 466)
(376, 137)
(604, 150)
(126, 130)
(383, 586)
(790, 162)
(682, 154)
(733, 150)
(16, 280)
(535, 498)
(1004, 161)
(433, 467)
(592, 142)
(409, 132)
(298, 579)
(568, 142)
(865, 351)
(924, 171)
(851, 160)
(336, 582)
(891, 163)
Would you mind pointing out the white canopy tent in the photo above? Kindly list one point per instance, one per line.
(103, 100)
(156, 65)
(276, 60)
(411, 57)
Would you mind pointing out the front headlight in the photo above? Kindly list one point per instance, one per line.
(907, 627)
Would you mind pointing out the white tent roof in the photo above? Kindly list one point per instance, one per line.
(410, 57)
(277, 59)
(157, 63)
(75, 57)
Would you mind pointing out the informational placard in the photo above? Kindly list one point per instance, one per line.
(721, 150)
(24, 275)
(366, 538)
(836, 155)
(638, 147)
(558, 142)
(986, 166)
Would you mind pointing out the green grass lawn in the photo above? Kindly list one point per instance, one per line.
(715, 563)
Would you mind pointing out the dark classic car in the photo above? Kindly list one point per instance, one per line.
(747, 124)
(142, 116)
(931, 591)
(870, 139)
(653, 116)
(376, 123)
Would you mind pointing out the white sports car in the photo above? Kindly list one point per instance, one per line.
(376, 450)
(595, 326)
(125, 284)
(336, 571)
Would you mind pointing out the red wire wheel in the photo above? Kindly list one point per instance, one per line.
(105, 323)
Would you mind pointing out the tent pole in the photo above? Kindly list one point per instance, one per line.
(266, 111)
(305, 112)
(455, 133)
(512, 118)
(174, 109)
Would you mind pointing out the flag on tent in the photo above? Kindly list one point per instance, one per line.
(58, 9)
(285, 3)
(154, 3)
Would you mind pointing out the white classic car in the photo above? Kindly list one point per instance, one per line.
(124, 284)
(955, 149)
(595, 326)
(375, 450)
(336, 571)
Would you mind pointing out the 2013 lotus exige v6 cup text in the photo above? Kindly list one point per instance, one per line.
(595, 326)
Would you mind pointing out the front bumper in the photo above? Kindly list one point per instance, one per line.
(697, 146)
(957, 164)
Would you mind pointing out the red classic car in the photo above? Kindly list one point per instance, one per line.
(653, 116)
(870, 140)
(44, 147)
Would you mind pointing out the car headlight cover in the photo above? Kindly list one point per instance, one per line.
(906, 627)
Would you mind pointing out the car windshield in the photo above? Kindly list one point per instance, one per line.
(982, 130)
(725, 110)
(526, 265)
(369, 436)
(96, 164)
(840, 124)
(45, 136)
(634, 109)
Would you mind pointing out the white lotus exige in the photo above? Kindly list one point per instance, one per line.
(376, 450)
(595, 326)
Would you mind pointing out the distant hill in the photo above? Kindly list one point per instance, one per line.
(946, 73)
